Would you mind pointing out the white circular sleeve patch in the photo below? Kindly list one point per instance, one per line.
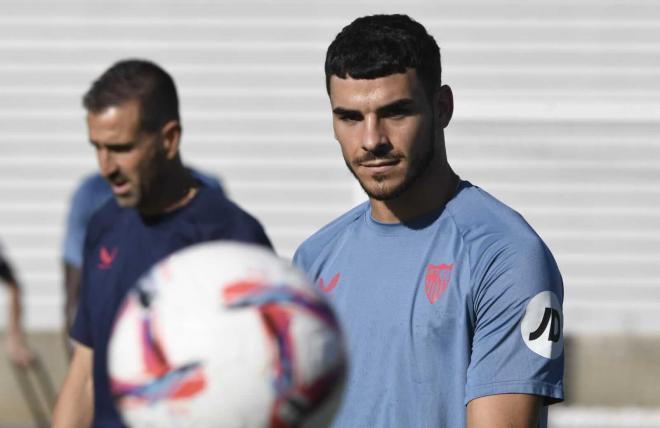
(542, 326)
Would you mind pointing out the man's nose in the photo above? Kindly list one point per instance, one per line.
(374, 138)
(107, 164)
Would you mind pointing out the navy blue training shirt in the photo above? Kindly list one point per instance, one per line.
(121, 245)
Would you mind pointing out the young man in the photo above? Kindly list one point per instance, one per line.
(158, 208)
(450, 302)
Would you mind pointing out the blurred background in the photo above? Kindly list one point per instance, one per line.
(557, 114)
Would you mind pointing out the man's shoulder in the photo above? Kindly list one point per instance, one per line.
(91, 189)
(477, 214)
(331, 230)
(205, 178)
(496, 235)
(218, 217)
(323, 238)
(92, 182)
(213, 205)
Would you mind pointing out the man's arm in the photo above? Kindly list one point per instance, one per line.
(504, 411)
(75, 403)
(517, 348)
(17, 347)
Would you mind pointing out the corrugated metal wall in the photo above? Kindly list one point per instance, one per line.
(557, 113)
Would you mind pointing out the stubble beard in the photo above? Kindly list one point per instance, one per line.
(381, 192)
(153, 177)
(418, 167)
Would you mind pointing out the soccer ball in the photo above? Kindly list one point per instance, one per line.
(223, 335)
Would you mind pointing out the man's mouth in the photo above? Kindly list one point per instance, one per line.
(379, 166)
(120, 186)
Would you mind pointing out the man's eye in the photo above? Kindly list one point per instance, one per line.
(398, 114)
(120, 149)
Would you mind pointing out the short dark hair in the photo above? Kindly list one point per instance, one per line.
(379, 45)
(141, 80)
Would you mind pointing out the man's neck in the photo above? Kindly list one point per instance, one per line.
(176, 189)
(428, 194)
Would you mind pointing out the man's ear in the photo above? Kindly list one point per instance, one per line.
(444, 105)
(170, 138)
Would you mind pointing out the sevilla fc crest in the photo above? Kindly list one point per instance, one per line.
(437, 280)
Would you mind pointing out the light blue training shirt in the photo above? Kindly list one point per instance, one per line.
(456, 305)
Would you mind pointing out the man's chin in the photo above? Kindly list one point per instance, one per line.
(126, 201)
(382, 191)
(383, 187)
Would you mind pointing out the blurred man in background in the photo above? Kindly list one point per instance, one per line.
(158, 208)
(448, 298)
(18, 350)
(92, 193)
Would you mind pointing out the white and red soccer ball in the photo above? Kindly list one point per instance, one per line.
(223, 335)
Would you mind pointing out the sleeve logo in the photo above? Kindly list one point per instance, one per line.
(542, 325)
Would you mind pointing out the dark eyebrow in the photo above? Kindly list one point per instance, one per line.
(120, 146)
(396, 107)
(346, 114)
(399, 106)
(341, 111)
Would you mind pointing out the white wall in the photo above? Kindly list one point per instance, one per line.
(557, 113)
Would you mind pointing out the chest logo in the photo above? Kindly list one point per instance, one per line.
(106, 257)
(326, 288)
(437, 280)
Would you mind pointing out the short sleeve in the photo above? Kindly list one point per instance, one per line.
(74, 234)
(246, 228)
(297, 259)
(518, 322)
(81, 329)
(258, 236)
